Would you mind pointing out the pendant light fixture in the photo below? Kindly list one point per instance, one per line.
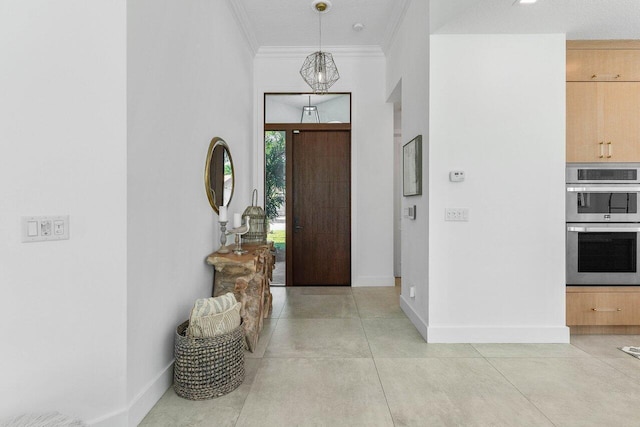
(319, 70)
(310, 113)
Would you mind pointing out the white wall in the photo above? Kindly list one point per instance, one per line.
(408, 62)
(498, 113)
(189, 79)
(362, 73)
(62, 151)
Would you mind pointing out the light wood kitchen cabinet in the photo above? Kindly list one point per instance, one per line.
(603, 121)
(603, 309)
(582, 123)
(603, 125)
(602, 65)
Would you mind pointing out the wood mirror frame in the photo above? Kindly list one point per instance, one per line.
(218, 185)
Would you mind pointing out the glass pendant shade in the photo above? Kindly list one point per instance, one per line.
(319, 71)
(310, 114)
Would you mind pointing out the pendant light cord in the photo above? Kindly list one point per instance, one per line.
(320, 25)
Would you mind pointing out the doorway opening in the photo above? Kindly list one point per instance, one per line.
(307, 187)
(396, 99)
(275, 158)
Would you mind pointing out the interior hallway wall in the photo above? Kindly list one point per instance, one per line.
(498, 113)
(190, 75)
(63, 152)
(397, 187)
(408, 62)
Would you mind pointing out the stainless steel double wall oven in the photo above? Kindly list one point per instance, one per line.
(603, 224)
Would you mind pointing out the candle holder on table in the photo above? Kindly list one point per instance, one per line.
(239, 231)
(223, 238)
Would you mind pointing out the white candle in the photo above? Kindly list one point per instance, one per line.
(222, 214)
(237, 220)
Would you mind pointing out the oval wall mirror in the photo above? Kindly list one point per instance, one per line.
(218, 174)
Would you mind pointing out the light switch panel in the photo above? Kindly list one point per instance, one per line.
(456, 214)
(43, 228)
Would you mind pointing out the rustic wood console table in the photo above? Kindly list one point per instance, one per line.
(248, 276)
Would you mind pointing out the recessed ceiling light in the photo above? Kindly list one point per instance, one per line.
(358, 26)
(526, 1)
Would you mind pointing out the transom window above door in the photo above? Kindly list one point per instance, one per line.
(307, 108)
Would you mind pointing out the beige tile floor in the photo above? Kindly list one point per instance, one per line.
(350, 357)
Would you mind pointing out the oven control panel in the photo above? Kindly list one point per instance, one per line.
(598, 173)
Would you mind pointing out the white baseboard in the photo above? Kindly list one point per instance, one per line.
(140, 406)
(503, 334)
(415, 318)
(363, 281)
(115, 419)
(480, 334)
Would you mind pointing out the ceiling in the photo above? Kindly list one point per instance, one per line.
(579, 19)
(294, 23)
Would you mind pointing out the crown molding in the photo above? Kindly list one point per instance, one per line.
(301, 52)
(243, 20)
(397, 16)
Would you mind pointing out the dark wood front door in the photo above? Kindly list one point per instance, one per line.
(321, 195)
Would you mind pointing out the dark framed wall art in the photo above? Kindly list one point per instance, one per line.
(412, 167)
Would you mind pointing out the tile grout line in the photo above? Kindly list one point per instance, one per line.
(373, 359)
(384, 393)
(244, 402)
(260, 363)
(602, 359)
(615, 368)
(513, 385)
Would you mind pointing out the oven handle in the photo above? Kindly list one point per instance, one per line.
(616, 189)
(604, 229)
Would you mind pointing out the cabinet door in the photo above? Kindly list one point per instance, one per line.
(583, 140)
(603, 65)
(603, 308)
(621, 109)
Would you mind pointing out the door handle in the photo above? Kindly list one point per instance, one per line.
(604, 229)
(604, 189)
(609, 150)
(611, 76)
(601, 150)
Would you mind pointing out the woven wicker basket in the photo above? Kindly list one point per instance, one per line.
(257, 234)
(208, 367)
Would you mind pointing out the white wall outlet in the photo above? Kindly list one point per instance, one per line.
(456, 214)
(412, 292)
(43, 228)
(58, 227)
